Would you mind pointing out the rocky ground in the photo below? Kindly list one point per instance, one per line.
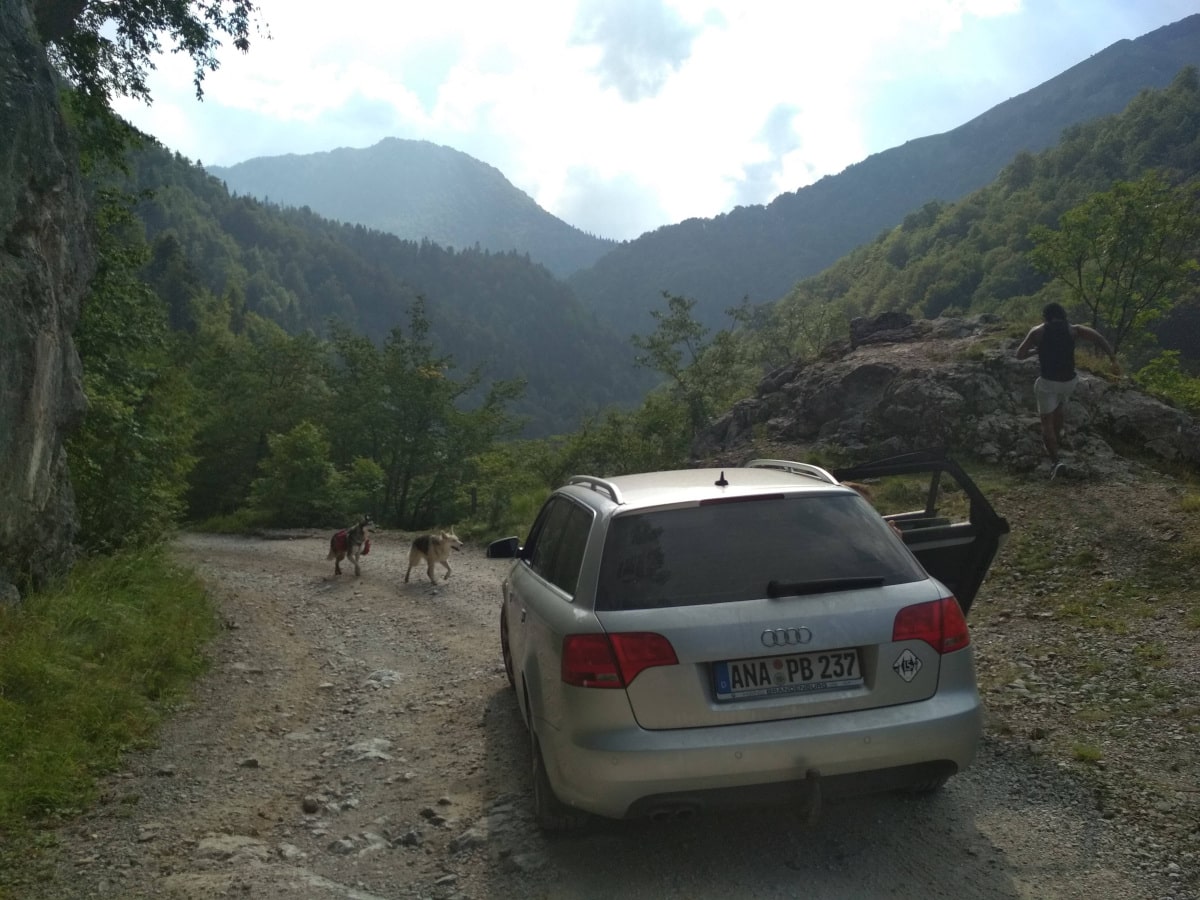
(356, 738)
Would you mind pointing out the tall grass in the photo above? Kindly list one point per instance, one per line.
(86, 671)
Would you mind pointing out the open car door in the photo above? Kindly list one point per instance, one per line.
(942, 515)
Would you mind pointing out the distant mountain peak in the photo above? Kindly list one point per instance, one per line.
(418, 190)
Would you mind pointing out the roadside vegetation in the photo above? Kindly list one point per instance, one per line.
(88, 669)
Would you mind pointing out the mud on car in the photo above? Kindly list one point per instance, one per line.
(699, 638)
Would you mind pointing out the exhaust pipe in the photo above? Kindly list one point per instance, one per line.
(673, 812)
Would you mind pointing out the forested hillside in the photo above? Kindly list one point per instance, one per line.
(760, 252)
(497, 311)
(419, 191)
(978, 255)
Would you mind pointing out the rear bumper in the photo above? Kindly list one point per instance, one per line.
(621, 773)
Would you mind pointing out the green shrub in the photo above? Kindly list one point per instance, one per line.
(86, 669)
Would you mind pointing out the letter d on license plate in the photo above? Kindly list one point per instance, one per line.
(765, 676)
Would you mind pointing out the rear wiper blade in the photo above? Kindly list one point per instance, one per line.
(822, 585)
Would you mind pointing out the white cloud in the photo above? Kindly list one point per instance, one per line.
(622, 115)
(642, 43)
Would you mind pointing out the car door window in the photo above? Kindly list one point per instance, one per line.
(548, 534)
(560, 538)
(565, 570)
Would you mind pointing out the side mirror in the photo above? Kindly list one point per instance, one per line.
(505, 548)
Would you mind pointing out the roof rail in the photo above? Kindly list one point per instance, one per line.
(796, 468)
(600, 485)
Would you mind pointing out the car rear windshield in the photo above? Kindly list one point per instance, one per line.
(743, 550)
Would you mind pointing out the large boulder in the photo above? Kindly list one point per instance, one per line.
(46, 259)
(950, 382)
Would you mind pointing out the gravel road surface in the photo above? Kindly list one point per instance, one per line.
(356, 738)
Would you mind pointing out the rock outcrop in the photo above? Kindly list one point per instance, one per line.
(902, 385)
(46, 259)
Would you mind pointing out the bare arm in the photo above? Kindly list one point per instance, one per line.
(1094, 337)
(1029, 345)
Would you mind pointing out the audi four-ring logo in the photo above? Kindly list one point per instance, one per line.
(781, 637)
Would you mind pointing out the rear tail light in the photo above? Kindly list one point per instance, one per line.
(939, 623)
(613, 661)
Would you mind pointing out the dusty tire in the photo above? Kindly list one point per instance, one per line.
(551, 814)
(505, 652)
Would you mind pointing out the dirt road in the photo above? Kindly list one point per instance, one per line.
(356, 738)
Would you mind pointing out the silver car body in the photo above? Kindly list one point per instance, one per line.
(695, 557)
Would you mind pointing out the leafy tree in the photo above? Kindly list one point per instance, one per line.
(1164, 376)
(297, 484)
(656, 436)
(252, 385)
(362, 488)
(106, 49)
(130, 459)
(702, 374)
(510, 485)
(794, 328)
(1125, 254)
(401, 406)
(173, 278)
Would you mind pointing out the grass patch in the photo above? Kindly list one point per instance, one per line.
(86, 671)
(1086, 753)
(1094, 667)
(1028, 552)
(1154, 653)
(1111, 605)
(999, 676)
(1083, 559)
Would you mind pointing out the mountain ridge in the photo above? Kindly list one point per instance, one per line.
(761, 252)
(418, 190)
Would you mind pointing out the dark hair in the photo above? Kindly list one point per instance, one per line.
(1052, 311)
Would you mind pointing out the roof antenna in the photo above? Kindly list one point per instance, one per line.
(721, 482)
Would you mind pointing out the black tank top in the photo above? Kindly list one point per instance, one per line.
(1056, 351)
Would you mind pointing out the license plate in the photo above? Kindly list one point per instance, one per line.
(798, 673)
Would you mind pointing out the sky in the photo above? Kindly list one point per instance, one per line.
(621, 116)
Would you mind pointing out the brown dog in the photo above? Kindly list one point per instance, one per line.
(350, 543)
(434, 549)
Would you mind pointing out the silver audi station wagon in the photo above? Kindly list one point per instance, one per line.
(691, 639)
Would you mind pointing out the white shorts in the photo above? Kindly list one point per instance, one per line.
(1050, 395)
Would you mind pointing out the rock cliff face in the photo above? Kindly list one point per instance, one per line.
(900, 385)
(46, 259)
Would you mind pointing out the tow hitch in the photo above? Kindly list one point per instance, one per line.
(812, 796)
